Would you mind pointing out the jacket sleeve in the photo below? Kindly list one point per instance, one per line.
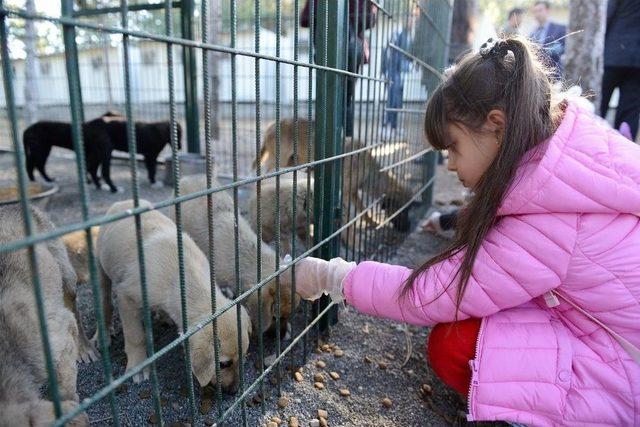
(520, 259)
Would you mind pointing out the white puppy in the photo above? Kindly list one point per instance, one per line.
(118, 254)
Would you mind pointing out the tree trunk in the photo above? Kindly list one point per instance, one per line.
(583, 62)
(31, 68)
(215, 28)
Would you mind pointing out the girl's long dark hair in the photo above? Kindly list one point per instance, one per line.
(509, 77)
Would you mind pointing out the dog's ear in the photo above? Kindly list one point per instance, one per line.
(202, 361)
(264, 155)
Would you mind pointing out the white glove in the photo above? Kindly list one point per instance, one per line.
(315, 277)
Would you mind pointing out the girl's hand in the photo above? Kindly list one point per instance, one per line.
(315, 277)
(432, 224)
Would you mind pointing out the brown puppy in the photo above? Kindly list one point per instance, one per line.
(364, 168)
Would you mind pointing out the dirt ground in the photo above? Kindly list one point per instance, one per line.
(360, 337)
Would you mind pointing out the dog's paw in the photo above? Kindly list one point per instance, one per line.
(104, 187)
(157, 185)
(94, 342)
(87, 353)
(119, 190)
(141, 376)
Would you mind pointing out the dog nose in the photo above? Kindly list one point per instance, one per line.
(232, 388)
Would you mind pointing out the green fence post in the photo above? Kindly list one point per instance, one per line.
(190, 78)
(328, 136)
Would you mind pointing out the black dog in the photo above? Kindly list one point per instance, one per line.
(41, 136)
(101, 136)
(151, 138)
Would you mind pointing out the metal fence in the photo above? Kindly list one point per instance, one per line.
(363, 66)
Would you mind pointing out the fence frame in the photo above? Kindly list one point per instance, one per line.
(327, 163)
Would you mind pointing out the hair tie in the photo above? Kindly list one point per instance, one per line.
(494, 48)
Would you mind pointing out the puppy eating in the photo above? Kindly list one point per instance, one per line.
(118, 254)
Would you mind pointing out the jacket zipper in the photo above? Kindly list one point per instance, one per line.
(473, 364)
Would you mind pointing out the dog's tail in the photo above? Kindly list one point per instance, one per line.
(27, 142)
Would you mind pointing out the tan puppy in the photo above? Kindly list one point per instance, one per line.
(289, 226)
(194, 219)
(22, 362)
(118, 255)
(364, 171)
(287, 132)
(76, 244)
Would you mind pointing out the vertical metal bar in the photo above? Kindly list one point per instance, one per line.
(133, 167)
(19, 159)
(277, 230)
(178, 207)
(329, 131)
(236, 214)
(370, 235)
(296, 130)
(206, 96)
(190, 78)
(257, 30)
(310, 151)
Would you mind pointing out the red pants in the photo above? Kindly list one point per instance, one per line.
(450, 347)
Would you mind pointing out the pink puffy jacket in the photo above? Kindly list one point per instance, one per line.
(567, 224)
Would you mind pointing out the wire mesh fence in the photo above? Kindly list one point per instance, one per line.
(305, 123)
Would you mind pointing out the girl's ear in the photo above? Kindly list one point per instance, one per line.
(496, 122)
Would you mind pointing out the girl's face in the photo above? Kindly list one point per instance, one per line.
(471, 153)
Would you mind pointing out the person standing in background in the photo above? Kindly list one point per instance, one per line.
(394, 63)
(622, 62)
(549, 35)
(514, 20)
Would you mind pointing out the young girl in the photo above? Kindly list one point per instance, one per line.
(536, 301)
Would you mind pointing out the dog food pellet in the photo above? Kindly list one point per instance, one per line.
(276, 420)
(390, 356)
(338, 353)
(208, 422)
(314, 423)
(319, 378)
(298, 376)
(145, 394)
(366, 328)
(367, 359)
(387, 402)
(323, 423)
(175, 406)
(322, 413)
(300, 369)
(153, 418)
(205, 406)
(425, 389)
(272, 424)
(283, 402)
(325, 347)
(320, 364)
(318, 350)
(319, 386)
(334, 375)
(293, 422)
(382, 365)
(344, 392)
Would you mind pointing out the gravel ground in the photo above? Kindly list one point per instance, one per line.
(357, 335)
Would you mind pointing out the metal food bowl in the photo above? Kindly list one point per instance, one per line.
(39, 193)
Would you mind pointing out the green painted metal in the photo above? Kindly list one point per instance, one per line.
(330, 32)
(190, 80)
